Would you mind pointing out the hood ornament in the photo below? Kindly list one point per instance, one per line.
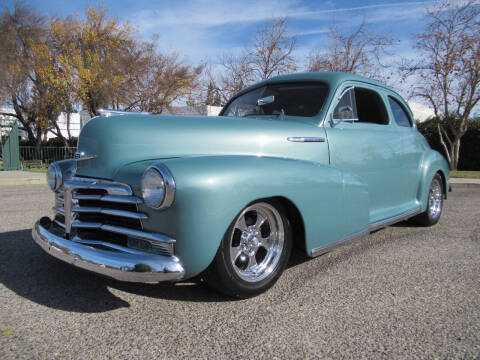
(82, 155)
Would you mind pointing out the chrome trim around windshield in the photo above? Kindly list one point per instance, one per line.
(305, 139)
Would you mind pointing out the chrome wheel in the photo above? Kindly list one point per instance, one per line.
(256, 243)
(435, 198)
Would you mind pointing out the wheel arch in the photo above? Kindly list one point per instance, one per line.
(294, 217)
(432, 163)
(444, 183)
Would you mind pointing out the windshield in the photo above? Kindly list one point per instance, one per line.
(295, 99)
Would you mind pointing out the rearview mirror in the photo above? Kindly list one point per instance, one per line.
(265, 100)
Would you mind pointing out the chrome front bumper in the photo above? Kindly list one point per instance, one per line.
(127, 265)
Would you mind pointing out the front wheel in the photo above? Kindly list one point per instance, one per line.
(254, 251)
(434, 206)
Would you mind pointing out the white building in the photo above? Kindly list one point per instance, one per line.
(75, 125)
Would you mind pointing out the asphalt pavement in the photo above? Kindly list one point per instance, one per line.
(401, 292)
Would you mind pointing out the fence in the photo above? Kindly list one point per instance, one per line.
(46, 154)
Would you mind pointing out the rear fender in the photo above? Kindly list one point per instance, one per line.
(432, 162)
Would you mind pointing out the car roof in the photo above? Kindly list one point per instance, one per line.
(333, 79)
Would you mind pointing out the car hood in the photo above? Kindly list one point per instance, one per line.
(120, 140)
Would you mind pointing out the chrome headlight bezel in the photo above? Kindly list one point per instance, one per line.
(54, 177)
(168, 188)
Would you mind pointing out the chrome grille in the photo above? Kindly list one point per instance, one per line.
(103, 212)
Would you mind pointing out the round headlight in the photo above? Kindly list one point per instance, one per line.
(158, 187)
(54, 176)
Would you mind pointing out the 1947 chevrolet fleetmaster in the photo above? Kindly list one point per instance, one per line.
(312, 160)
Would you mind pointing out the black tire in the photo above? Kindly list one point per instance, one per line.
(226, 277)
(434, 206)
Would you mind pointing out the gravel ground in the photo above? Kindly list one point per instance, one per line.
(402, 292)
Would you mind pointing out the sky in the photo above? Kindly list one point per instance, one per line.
(203, 30)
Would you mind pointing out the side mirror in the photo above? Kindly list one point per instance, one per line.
(265, 100)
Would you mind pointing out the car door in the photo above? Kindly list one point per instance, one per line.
(362, 141)
(409, 156)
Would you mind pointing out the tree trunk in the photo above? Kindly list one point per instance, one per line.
(60, 135)
(455, 154)
(68, 126)
(447, 148)
(38, 143)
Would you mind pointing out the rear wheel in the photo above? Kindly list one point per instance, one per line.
(434, 206)
(253, 252)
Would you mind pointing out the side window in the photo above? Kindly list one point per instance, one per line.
(346, 108)
(370, 107)
(400, 115)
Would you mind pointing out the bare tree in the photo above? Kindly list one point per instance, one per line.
(270, 55)
(272, 51)
(165, 81)
(237, 75)
(357, 52)
(447, 76)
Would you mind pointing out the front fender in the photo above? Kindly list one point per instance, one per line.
(431, 163)
(212, 190)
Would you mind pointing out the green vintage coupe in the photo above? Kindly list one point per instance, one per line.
(310, 160)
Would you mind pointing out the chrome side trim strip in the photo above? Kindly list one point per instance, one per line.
(121, 213)
(156, 240)
(106, 244)
(59, 210)
(110, 198)
(394, 219)
(327, 248)
(305, 139)
(125, 231)
(86, 197)
(138, 234)
(67, 196)
(86, 225)
(121, 265)
(93, 184)
(59, 223)
(374, 226)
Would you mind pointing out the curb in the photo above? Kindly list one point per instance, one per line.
(464, 185)
(22, 182)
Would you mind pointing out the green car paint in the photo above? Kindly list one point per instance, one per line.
(361, 175)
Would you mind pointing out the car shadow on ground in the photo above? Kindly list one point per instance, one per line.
(29, 272)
